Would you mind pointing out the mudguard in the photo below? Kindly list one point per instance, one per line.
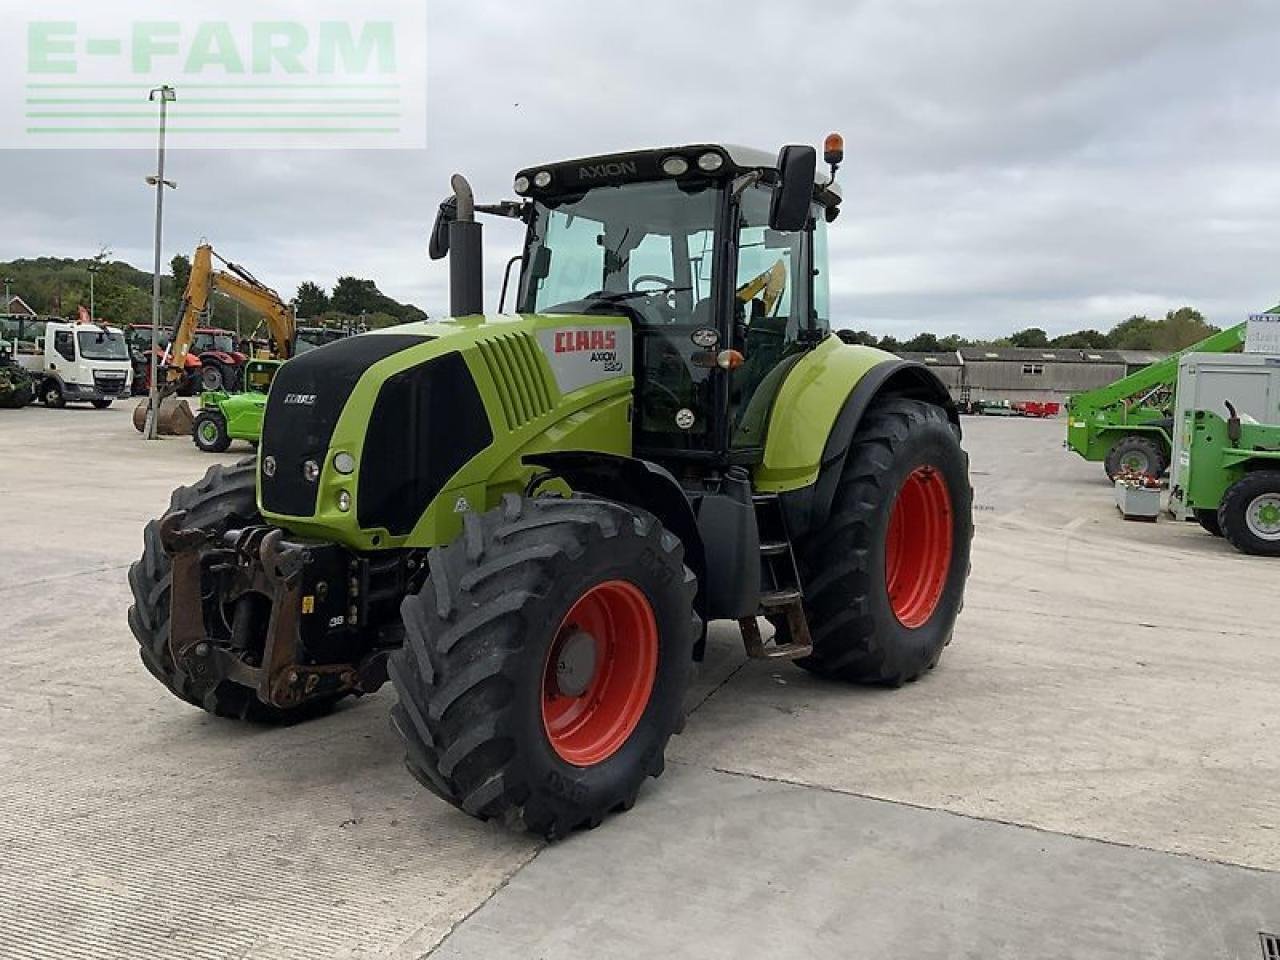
(816, 415)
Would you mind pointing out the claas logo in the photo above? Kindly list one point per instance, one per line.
(573, 341)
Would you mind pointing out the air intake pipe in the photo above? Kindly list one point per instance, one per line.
(466, 253)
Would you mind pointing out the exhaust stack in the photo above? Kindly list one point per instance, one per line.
(466, 254)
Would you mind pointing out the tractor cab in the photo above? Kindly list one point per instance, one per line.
(717, 255)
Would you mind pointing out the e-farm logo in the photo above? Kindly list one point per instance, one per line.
(245, 73)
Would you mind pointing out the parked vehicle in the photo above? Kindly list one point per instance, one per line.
(79, 362)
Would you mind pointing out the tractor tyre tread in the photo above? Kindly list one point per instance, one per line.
(476, 637)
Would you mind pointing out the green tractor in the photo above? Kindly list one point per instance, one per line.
(1230, 479)
(225, 417)
(17, 388)
(526, 521)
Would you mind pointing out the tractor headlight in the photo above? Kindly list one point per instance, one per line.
(542, 179)
(522, 185)
(311, 471)
(675, 166)
(710, 162)
(344, 463)
(344, 501)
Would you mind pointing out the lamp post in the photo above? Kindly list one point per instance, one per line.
(93, 271)
(8, 301)
(164, 95)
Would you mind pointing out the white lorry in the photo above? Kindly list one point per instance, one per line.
(75, 362)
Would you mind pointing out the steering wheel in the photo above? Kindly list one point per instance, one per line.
(665, 282)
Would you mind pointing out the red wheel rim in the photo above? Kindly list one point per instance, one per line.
(588, 725)
(917, 550)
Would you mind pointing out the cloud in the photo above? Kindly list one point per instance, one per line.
(1059, 164)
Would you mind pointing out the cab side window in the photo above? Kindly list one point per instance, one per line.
(65, 345)
(771, 308)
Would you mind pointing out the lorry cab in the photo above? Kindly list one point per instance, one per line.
(80, 362)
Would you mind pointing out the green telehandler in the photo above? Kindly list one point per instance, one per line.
(526, 521)
(1128, 424)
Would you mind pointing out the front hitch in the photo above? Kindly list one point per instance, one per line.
(259, 561)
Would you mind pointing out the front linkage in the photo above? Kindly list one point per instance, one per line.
(345, 600)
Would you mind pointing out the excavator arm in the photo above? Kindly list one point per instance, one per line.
(241, 286)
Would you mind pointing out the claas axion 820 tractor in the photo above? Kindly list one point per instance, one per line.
(526, 521)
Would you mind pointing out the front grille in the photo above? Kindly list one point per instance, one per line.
(514, 369)
(427, 423)
(308, 395)
(108, 382)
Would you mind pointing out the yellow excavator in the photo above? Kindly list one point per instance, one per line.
(175, 417)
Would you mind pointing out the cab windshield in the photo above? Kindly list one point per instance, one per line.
(214, 341)
(643, 250)
(98, 345)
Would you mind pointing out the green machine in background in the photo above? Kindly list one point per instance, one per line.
(225, 417)
(1128, 424)
(1226, 468)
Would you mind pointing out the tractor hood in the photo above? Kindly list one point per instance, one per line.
(361, 436)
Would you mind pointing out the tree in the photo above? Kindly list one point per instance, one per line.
(181, 268)
(891, 344)
(354, 296)
(1136, 333)
(922, 343)
(1031, 337)
(311, 300)
(1082, 340)
(1181, 328)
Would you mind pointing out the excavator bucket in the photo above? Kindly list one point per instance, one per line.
(175, 417)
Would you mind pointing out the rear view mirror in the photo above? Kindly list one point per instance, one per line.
(794, 191)
(438, 248)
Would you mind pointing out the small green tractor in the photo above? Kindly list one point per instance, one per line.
(525, 521)
(17, 388)
(225, 416)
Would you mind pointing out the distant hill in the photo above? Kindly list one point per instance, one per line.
(54, 286)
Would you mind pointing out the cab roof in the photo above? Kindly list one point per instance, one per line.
(639, 165)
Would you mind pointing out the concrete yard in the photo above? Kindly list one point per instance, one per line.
(1090, 772)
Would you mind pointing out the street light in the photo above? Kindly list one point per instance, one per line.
(8, 301)
(94, 268)
(164, 95)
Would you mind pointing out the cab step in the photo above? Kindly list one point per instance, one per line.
(781, 593)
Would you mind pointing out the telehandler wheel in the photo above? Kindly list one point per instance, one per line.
(1250, 514)
(884, 579)
(223, 499)
(1209, 520)
(1138, 455)
(101, 403)
(209, 432)
(545, 662)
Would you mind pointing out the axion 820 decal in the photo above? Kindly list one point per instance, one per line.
(581, 356)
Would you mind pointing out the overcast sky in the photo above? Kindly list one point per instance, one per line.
(1053, 163)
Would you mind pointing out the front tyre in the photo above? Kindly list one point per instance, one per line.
(884, 579)
(1249, 514)
(1136, 454)
(209, 432)
(546, 661)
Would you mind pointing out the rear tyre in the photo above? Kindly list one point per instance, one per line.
(1250, 514)
(209, 432)
(1137, 455)
(884, 579)
(213, 377)
(51, 395)
(546, 661)
(224, 499)
(1209, 520)
(101, 403)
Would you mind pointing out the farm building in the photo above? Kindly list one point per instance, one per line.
(1030, 374)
